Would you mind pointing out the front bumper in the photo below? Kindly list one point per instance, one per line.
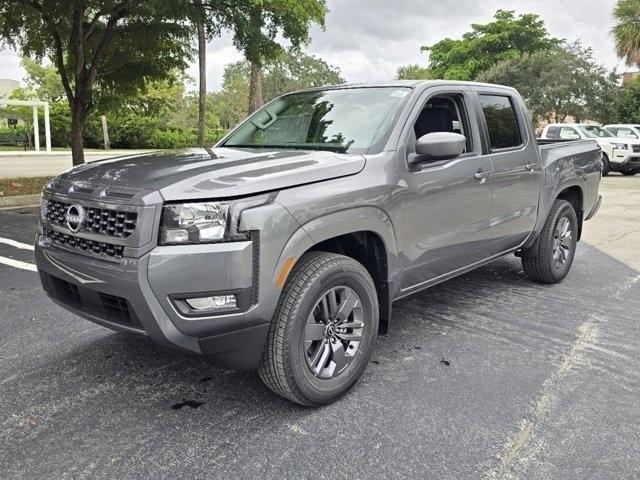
(135, 295)
(625, 160)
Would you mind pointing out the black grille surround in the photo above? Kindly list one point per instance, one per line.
(102, 221)
(91, 246)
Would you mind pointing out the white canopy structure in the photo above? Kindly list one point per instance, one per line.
(47, 126)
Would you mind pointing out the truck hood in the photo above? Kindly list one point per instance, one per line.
(215, 173)
(627, 141)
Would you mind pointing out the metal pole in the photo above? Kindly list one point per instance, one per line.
(47, 127)
(36, 132)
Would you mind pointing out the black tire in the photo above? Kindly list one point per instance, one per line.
(284, 367)
(539, 263)
(606, 165)
(630, 173)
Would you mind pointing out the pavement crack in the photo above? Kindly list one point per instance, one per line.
(586, 334)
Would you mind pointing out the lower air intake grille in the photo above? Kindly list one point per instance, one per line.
(98, 248)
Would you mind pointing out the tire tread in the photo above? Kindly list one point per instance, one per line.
(272, 369)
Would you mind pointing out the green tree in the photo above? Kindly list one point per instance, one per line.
(506, 38)
(629, 104)
(414, 72)
(102, 49)
(626, 30)
(260, 24)
(43, 80)
(290, 71)
(294, 70)
(561, 82)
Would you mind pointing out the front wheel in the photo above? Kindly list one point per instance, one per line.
(551, 260)
(323, 332)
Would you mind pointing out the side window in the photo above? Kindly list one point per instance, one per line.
(444, 113)
(568, 133)
(613, 130)
(502, 122)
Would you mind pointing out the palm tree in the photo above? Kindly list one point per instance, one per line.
(626, 30)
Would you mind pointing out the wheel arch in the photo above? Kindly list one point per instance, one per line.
(365, 234)
(575, 196)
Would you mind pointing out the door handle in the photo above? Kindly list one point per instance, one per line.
(532, 167)
(481, 176)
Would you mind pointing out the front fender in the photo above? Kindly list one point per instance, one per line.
(359, 219)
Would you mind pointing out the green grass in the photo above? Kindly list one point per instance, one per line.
(10, 187)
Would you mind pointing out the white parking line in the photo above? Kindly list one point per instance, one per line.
(13, 243)
(18, 264)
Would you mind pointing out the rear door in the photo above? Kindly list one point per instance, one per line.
(516, 168)
(442, 209)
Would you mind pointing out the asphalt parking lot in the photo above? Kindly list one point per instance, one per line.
(485, 376)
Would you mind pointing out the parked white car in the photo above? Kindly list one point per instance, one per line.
(619, 154)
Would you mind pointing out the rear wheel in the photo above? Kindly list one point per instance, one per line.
(551, 259)
(323, 331)
(606, 166)
(630, 173)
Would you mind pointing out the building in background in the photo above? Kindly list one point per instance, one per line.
(8, 118)
(628, 77)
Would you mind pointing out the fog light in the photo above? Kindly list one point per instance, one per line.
(212, 303)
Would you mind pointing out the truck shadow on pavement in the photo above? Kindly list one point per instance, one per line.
(130, 365)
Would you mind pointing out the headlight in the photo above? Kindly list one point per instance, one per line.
(206, 222)
(621, 146)
(194, 222)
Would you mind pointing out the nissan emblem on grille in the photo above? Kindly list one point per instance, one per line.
(75, 217)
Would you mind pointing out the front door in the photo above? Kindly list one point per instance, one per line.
(444, 208)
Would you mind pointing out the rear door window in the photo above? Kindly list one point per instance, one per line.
(502, 122)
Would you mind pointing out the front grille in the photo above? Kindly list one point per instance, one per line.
(636, 148)
(99, 248)
(112, 223)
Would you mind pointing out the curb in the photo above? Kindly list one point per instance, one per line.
(20, 201)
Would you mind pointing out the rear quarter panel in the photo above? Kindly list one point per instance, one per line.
(568, 164)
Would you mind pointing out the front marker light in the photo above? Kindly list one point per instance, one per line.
(194, 222)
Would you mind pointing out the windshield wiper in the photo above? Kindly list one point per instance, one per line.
(331, 148)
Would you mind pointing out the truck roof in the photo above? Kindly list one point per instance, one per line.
(409, 83)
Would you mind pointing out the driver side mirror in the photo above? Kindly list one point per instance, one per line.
(439, 146)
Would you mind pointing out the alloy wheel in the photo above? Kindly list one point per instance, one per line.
(333, 332)
(562, 242)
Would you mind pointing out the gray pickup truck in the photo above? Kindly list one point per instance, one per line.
(283, 248)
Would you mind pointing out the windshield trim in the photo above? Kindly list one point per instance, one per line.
(374, 149)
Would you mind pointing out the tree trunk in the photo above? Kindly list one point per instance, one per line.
(255, 88)
(78, 118)
(202, 96)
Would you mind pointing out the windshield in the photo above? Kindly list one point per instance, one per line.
(353, 120)
(593, 131)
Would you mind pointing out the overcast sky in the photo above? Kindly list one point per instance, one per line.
(370, 39)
